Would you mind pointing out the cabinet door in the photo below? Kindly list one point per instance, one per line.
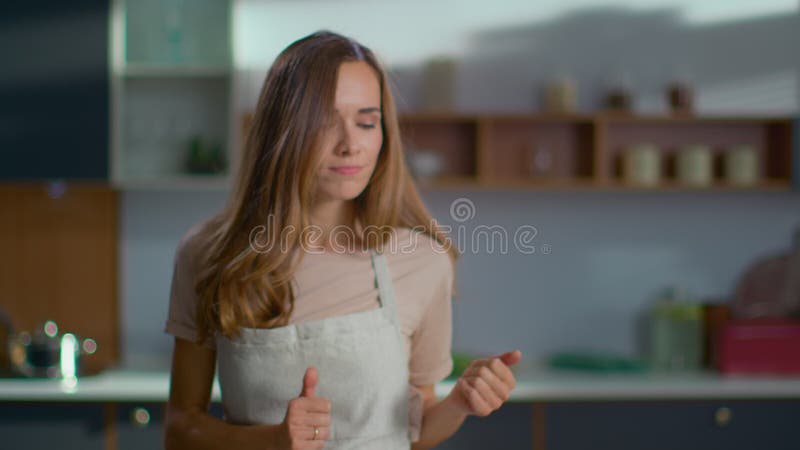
(507, 428)
(54, 112)
(141, 425)
(46, 426)
(59, 262)
(670, 425)
(195, 34)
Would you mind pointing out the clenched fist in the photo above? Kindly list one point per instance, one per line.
(308, 418)
(485, 385)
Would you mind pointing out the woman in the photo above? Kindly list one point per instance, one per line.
(322, 291)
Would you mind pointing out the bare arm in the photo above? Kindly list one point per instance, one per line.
(188, 425)
(440, 420)
(480, 390)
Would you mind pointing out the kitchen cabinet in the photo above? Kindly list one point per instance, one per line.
(45, 426)
(508, 427)
(141, 425)
(547, 410)
(59, 262)
(171, 93)
(55, 90)
(728, 424)
(84, 426)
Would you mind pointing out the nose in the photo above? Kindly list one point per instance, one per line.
(348, 144)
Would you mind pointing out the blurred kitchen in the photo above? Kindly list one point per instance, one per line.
(650, 150)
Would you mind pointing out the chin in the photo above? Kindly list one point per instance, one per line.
(345, 193)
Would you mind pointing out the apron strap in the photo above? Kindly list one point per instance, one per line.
(383, 281)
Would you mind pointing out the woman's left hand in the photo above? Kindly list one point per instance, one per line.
(485, 385)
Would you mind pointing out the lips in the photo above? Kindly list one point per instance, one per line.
(346, 170)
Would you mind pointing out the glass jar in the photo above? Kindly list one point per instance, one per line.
(676, 334)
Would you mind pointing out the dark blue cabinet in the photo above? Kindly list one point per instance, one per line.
(141, 425)
(507, 428)
(47, 426)
(54, 90)
(728, 425)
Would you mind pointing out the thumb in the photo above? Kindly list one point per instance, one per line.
(511, 358)
(309, 382)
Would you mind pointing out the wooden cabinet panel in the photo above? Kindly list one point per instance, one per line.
(59, 261)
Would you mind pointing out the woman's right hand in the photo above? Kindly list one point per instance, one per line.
(304, 414)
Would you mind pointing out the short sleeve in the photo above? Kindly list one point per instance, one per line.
(181, 319)
(430, 359)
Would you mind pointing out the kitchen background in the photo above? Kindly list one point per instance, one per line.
(612, 252)
(170, 71)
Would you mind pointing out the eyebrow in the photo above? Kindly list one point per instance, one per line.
(369, 110)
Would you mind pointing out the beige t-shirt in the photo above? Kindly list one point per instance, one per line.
(332, 284)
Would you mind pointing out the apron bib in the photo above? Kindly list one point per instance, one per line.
(360, 360)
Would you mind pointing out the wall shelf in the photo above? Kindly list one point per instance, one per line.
(471, 183)
(172, 86)
(498, 151)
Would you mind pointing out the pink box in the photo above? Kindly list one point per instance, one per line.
(759, 346)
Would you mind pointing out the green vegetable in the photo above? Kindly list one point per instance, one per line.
(596, 362)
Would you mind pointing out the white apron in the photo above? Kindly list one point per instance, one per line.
(360, 360)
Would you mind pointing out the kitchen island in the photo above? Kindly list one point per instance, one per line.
(124, 408)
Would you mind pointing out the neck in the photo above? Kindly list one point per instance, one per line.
(327, 215)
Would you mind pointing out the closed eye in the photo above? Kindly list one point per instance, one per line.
(366, 126)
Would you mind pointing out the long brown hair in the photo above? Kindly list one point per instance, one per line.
(240, 285)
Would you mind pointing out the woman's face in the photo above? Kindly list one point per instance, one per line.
(350, 146)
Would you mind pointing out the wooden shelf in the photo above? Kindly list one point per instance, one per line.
(690, 119)
(498, 117)
(438, 117)
(577, 117)
(567, 184)
(498, 150)
(764, 186)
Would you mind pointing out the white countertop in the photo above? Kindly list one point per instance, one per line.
(532, 385)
